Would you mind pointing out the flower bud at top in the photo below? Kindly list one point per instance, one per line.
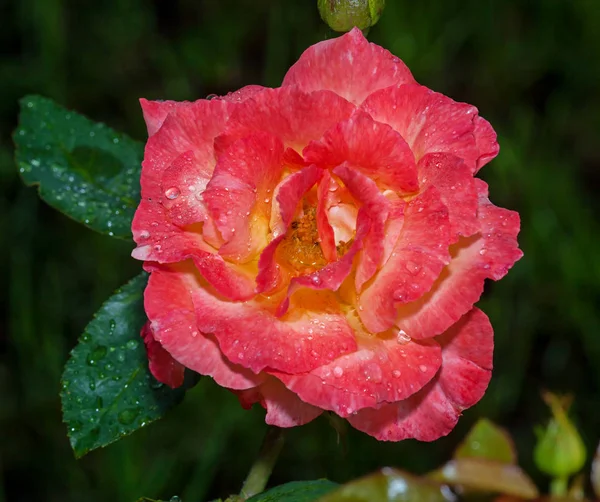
(560, 450)
(343, 15)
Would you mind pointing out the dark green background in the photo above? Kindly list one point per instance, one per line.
(533, 70)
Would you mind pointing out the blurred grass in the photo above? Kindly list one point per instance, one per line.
(531, 68)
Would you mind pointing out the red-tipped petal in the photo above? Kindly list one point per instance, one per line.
(349, 66)
(182, 183)
(324, 228)
(155, 112)
(379, 372)
(371, 147)
(453, 179)
(251, 336)
(433, 412)
(294, 116)
(486, 141)
(160, 240)
(489, 254)
(238, 196)
(161, 364)
(243, 94)
(230, 280)
(429, 121)
(180, 154)
(286, 197)
(168, 304)
(419, 256)
(284, 408)
(376, 206)
(190, 127)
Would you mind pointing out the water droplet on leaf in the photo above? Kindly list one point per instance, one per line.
(126, 417)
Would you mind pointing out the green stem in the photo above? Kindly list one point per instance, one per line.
(558, 486)
(263, 466)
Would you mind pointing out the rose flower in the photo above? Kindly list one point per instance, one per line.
(320, 246)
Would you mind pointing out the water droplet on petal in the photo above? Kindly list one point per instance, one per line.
(423, 368)
(402, 337)
(172, 193)
(396, 373)
(338, 372)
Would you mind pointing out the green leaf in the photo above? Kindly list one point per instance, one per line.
(486, 476)
(107, 389)
(84, 169)
(296, 491)
(389, 485)
(486, 440)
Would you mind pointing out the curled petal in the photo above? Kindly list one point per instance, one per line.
(251, 336)
(294, 116)
(160, 240)
(326, 234)
(232, 281)
(284, 408)
(373, 148)
(168, 304)
(467, 350)
(431, 122)
(189, 127)
(489, 254)
(486, 141)
(180, 153)
(376, 206)
(419, 256)
(162, 365)
(379, 372)
(287, 195)
(238, 196)
(453, 179)
(348, 65)
(155, 112)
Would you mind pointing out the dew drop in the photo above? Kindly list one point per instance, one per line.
(338, 372)
(75, 426)
(172, 193)
(412, 267)
(144, 234)
(373, 372)
(396, 373)
(126, 417)
(97, 354)
(402, 337)
(423, 368)
(132, 344)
